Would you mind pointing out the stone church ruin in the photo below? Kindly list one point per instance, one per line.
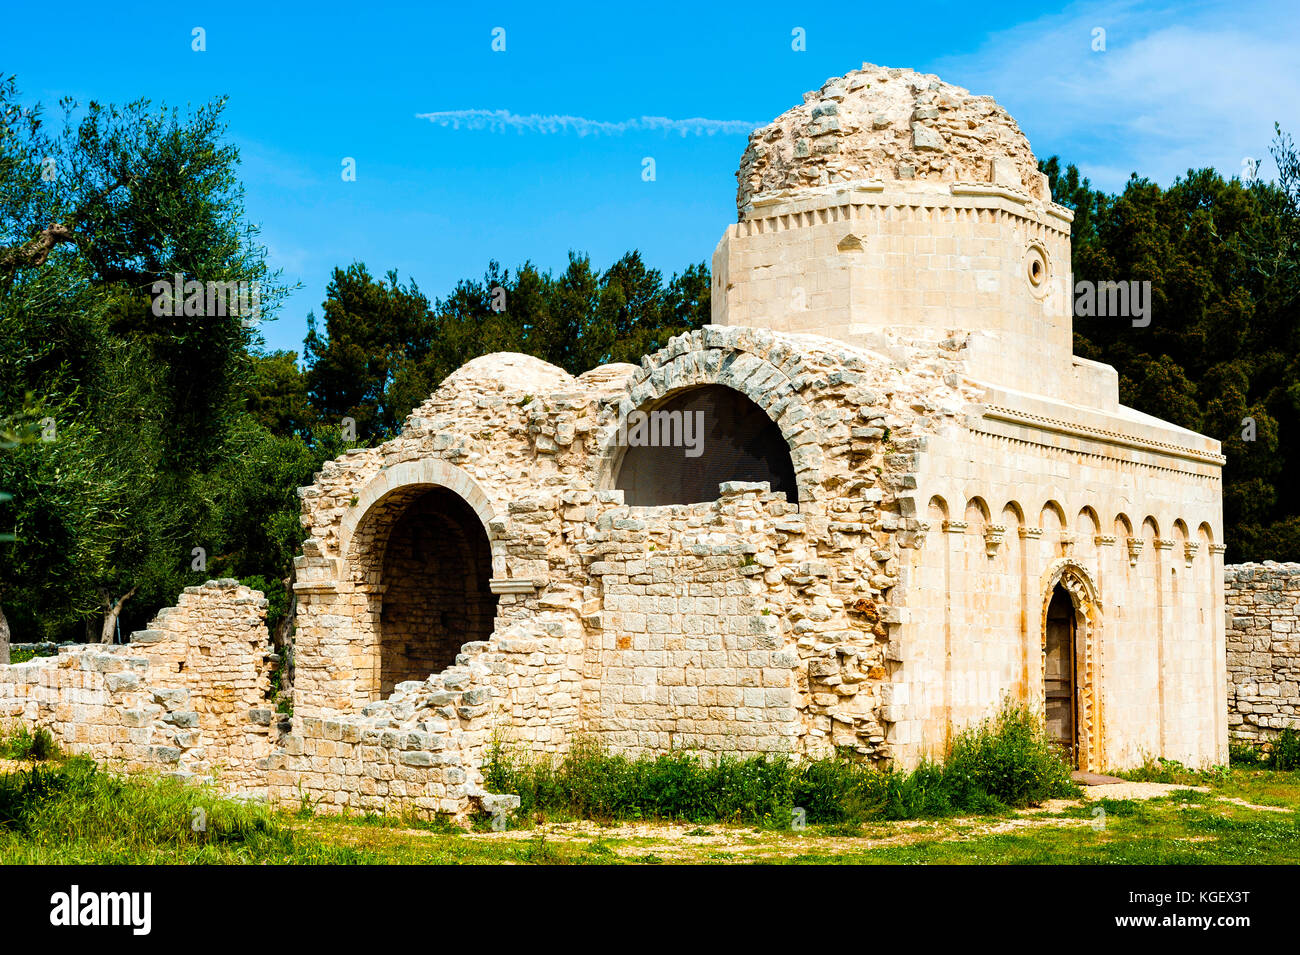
(909, 502)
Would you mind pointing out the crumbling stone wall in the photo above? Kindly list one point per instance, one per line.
(1263, 629)
(741, 624)
(187, 696)
(421, 749)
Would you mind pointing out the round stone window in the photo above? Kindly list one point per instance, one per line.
(1036, 266)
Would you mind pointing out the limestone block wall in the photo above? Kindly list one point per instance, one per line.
(1028, 495)
(421, 749)
(788, 608)
(692, 654)
(1263, 640)
(189, 695)
(852, 260)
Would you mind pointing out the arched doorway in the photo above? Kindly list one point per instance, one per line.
(679, 451)
(434, 592)
(1060, 682)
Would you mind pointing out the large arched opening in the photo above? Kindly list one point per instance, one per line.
(436, 598)
(423, 558)
(681, 449)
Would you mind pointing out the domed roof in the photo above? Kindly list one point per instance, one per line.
(511, 371)
(890, 124)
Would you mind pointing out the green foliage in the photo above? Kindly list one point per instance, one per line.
(74, 812)
(119, 417)
(1004, 762)
(1161, 770)
(1009, 757)
(385, 347)
(1244, 754)
(1284, 751)
(22, 743)
(1223, 344)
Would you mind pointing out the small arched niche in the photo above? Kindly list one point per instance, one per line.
(680, 450)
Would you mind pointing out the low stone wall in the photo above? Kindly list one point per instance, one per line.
(420, 750)
(1263, 638)
(188, 696)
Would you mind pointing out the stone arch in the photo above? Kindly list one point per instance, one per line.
(1013, 513)
(1052, 511)
(759, 380)
(1085, 597)
(409, 474)
(1087, 528)
(682, 448)
(977, 512)
(1123, 526)
(417, 549)
(936, 516)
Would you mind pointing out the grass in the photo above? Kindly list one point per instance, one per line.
(72, 812)
(1001, 764)
(22, 744)
(1181, 828)
(68, 811)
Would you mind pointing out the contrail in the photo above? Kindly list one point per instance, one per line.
(502, 120)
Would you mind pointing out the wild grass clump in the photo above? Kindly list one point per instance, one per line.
(73, 812)
(1284, 751)
(589, 782)
(1009, 758)
(1171, 771)
(1245, 754)
(1006, 762)
(22, 743)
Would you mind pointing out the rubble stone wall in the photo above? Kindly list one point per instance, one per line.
(187, 696)
(1263, 608)
(421, 749)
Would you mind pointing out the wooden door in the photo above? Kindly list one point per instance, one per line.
(1058, 674)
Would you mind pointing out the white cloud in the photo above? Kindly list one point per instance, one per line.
(1176, 88)
(502, 120)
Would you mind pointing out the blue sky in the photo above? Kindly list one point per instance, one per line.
(1178, 85)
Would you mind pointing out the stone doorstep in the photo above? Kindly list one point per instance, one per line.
(1094, 779)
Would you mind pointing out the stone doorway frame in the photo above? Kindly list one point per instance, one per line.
(1082, 590)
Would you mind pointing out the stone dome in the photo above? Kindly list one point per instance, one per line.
(887, 124)
(510, 371)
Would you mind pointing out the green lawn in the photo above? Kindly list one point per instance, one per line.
(94, 817)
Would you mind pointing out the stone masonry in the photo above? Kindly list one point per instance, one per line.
(189, 696)
(1263, 649)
